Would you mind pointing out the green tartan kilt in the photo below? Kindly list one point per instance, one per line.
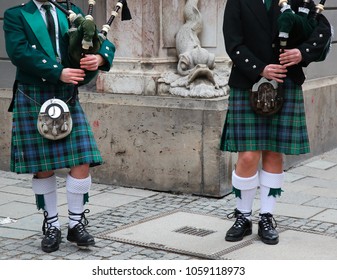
(30, 152)
(284, 132)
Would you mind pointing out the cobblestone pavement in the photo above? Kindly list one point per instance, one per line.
(307, 205)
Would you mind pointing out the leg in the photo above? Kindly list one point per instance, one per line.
(245, 180)
(271, 180)
(78, 185)
(44, 187)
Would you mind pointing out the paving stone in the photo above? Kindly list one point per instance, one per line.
(297, 211)
(329, 215)
(299, 249)
(321, 164)
(4, 182)
(15, 233)
(292, 177)
(323, 202)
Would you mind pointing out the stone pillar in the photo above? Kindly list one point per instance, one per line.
(150, 139)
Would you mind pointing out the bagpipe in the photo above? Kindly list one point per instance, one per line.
(295, 28)
(267, 96)
(84, 38)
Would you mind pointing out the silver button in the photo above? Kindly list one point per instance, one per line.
(307, 50)
(246, 60)
(254, 66)
(238, 52)
(44, 61)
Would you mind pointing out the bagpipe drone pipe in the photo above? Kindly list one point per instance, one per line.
(295, 28)
(84, 38)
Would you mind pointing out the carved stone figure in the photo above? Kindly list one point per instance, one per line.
(188, 46)
(196, 74)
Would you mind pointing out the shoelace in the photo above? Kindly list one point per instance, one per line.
(81, 229)
(47, 223)
(83, 220)
(268, 221)
(51, 232)
(240, 218)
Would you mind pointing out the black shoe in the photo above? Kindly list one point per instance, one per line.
(52, 235)
(78, 233)
(267, 231)
(241, 227)
(51, 241)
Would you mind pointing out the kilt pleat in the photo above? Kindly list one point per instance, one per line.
(30, 152)
(284, 132)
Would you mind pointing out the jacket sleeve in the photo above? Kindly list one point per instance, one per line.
(242, 57)
(316, 44)
(107, 51)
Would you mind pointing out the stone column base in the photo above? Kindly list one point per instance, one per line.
(160, 143)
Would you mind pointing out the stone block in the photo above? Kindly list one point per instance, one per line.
(160, 143)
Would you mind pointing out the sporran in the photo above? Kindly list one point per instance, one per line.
(266, 97)
(54, 119)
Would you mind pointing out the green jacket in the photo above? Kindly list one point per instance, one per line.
(30, 49)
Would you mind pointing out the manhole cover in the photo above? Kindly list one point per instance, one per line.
(182, 232)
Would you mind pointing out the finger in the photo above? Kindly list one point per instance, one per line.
(289, 64)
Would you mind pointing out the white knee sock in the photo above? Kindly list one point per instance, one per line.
(268, 182)
(247, 187)
(76, 188)
(46, 187)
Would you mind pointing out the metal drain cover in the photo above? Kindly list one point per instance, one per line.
(194, 231)
(181, 232)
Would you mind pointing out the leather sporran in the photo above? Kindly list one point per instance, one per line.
(266, 97)
(54, 119)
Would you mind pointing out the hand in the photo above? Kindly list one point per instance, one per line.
(290, 57)
(275, 72)
(91, 62)
(72, 76)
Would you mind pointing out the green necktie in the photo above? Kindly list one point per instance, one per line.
(268, 4)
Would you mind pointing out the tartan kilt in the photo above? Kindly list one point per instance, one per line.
(30, 152)
(284, 132)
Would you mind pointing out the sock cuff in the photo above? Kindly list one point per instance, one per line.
(271, 180)
(242, 183)
(78, 186)
(44, 185)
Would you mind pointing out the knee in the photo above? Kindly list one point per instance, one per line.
(80, 171)
(247, 164)
(44, 174)
(272, 158)
(249, 159)
(272, 162)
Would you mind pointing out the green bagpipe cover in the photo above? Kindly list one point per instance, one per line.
(299, 26)
(84, 31)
